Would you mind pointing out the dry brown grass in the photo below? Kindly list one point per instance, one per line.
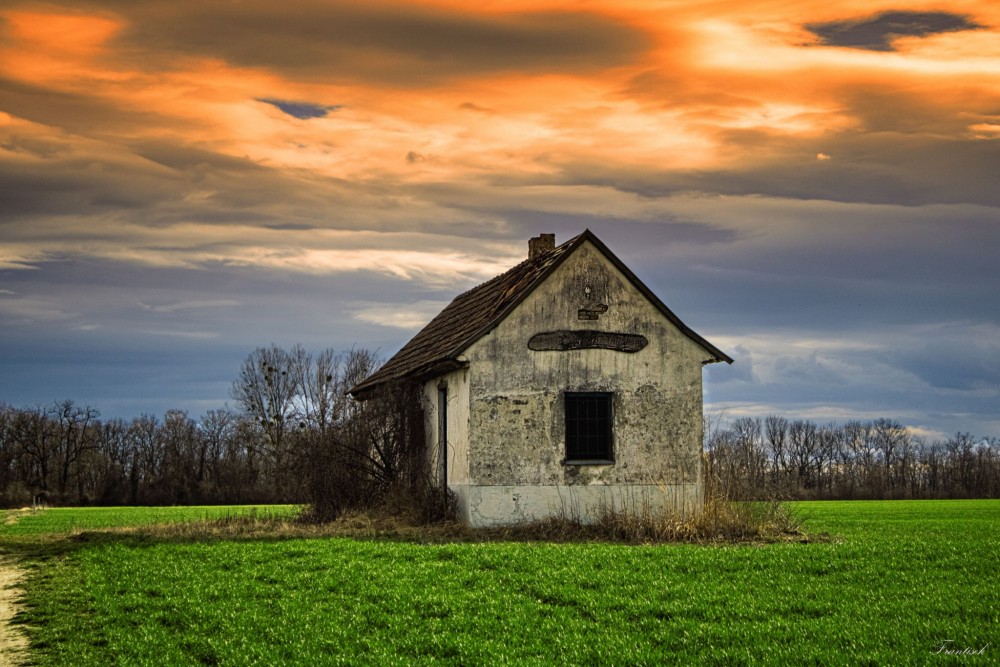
(365, 525)
(720, 522)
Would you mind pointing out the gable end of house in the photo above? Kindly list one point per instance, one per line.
(437, 348)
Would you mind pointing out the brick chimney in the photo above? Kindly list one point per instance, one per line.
(541, 243)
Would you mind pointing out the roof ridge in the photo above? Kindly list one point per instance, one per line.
(473, 313)
(517, 266)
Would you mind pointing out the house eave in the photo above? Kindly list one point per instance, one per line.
(363, 392)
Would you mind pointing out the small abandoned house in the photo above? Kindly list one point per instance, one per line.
(563, 386)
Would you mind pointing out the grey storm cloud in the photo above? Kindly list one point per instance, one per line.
(300, 110)
(153, 177)
(388, 43)
(973, 365)
(878, 32)
(79, 112)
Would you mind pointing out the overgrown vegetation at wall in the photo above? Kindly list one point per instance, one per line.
(776, 457)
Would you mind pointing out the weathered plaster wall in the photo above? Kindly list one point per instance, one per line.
(515, 414)
(458, 432)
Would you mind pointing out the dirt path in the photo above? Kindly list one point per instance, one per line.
(13, 642)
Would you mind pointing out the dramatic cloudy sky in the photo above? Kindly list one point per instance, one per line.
(813, 186)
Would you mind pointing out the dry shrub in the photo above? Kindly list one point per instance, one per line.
(721, 521)
(418, 503)
(375, 461)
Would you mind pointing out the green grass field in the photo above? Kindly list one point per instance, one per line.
(62, 520)
(899, 579)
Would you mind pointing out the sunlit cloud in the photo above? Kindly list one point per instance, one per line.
(986, 130)
(430, 267)
(32, 310)
(306, 250)
(190, 335)
(400, 315)
(53, 46)
(188, 305)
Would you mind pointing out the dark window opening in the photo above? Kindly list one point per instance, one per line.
(588, 427)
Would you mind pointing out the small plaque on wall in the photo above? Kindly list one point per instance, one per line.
(587, 340)
(592, 313)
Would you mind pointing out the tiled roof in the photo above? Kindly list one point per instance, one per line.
(464, 320)
(474, 313)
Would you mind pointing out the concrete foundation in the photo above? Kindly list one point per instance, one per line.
(488, 506)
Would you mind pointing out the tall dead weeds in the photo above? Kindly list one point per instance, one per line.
(721, 521)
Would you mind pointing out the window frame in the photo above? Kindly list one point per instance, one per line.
(572, 457)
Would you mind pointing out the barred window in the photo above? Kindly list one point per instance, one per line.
(588, 427)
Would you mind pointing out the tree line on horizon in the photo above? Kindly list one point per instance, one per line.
(755, 458)
(296, 436)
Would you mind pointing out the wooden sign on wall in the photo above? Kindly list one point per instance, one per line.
(587, 340)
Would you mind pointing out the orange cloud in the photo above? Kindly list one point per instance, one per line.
(54, 47)
(72, 34)
(152, 113)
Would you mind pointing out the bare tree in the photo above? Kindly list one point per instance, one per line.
(323, 394)
(960, 448)
(748, 448)
(217, 429)
(776, 431)
(36, 440)
(267, 389)
(74, 436)
(111, 468)
(827, 441)
(8, 454)
(889, 438)
(180, 447)
(147, 455)
(341, 462)
(858, 437)
(802, 443)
